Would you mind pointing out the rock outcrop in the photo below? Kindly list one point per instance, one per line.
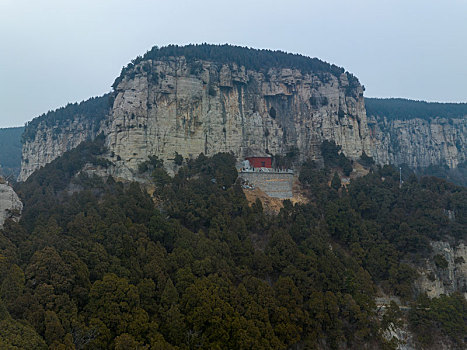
(227, 108)
(418, 142)
(10, 204)
(446, 272)
(51, 142)
(171, 104)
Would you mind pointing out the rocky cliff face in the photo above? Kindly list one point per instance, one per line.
(163, 106)
(51, 142)
(10, 205)
(169, 106)
(418, 142)
(446, 272)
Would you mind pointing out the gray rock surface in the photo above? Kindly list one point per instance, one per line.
(226, 108)
(171, 105)
(435, 280)
(10, 204)
(51, 142)
(418, 142)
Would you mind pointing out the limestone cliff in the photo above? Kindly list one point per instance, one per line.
(205, 107)
(446, 271)
(418, 142)
(51, 142)
(169, 102)
(10, 204)
(50, 135)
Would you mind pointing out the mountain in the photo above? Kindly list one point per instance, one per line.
(10, 155)
(187, 257)
(246, 101)
(208, 98)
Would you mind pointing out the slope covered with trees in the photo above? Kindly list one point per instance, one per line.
(10, 154)
(455, 175)
(98, 264)
(401, 108)
(95, 108)
(254, 59)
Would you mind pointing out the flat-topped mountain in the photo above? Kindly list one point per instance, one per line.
(201, 259)
(208, 98)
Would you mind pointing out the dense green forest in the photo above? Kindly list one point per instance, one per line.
(254, 59)
(99, 264)
(10, 151)
(402, 109)
(95, 108)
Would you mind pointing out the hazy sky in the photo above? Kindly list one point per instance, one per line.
(58, 51)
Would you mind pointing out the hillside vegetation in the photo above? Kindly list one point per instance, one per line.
(456, 175)
(254, 59)
(95, 108)
(98, 264)
(402, 109)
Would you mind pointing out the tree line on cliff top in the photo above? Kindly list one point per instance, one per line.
(254, 59)
(260, 60)
(98, 264)
(95, 108)
(403, 109)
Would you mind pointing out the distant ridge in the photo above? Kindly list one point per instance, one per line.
(10, 150)
(403, 109)
(93, 108)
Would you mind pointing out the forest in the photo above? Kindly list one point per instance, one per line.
(403, 109)
(10, 154)
(254, 59)
(100, 264)
(456, 175)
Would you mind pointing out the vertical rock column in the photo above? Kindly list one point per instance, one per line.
(10, 204)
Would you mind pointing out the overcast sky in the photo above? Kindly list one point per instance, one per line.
(57, 51)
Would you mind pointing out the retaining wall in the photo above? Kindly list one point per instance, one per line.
(278, 185)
